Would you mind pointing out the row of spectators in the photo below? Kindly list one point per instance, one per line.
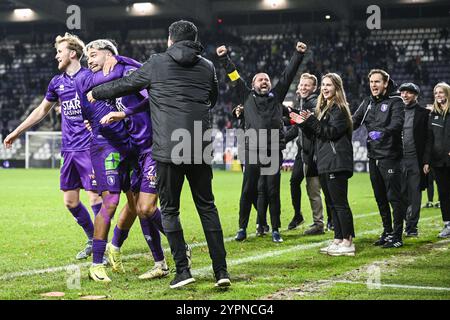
(350, 56)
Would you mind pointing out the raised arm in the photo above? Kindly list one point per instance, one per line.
(111, 62)
(135, 82)
(282, 87)
(237, 83)
(214, 89)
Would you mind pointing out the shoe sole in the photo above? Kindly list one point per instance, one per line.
(298, 225)
(141, 277)
(347, 254)
(182, 283)
(101, 281)
(392, 247)
(223, 283)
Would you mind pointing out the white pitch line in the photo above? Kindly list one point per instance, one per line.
(208, 269)
(398, 286)
(13, 275)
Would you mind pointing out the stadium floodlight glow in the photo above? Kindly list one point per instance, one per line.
(142, 8)
(23, 13)
(328, 17)
(274, 4)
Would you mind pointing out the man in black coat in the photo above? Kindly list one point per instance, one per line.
(414, 139)
(182, 89)
(263, 111)
(383, 115)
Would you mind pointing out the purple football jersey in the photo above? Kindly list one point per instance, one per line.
(75, 136)
(139, 124)
(114, 133)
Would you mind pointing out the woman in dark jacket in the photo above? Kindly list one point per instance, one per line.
(437, 152)
(331, 127)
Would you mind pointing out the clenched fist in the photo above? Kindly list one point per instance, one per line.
(301, 47)
(221, 51)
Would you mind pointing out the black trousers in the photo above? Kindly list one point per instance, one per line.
(386, 179)
(442, 176)
(270, 186)
(297, 177)
(335, 189)
(411, 190)
(170, 178)
(262, 202)
(430, 186)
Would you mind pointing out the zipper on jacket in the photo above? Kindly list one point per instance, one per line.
(332, 147)
(365, 114)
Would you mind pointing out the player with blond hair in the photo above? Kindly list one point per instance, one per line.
(76, 166)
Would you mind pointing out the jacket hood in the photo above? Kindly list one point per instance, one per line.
(186, 53)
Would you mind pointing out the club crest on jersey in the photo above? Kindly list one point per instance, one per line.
(384, 107)
(111, 180)
(61, 87)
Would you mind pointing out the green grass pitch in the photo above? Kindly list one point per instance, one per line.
(38, 233)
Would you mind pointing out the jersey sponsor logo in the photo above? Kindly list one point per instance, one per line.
(112, 161)
(111, 180)
(72, 107)
(384, 107)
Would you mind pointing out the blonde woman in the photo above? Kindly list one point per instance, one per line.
(331, 127)
(437, 152)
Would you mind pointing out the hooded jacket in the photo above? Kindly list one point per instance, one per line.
(385, 114)
(182, 88)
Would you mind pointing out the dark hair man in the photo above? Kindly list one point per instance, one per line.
(182, 89)
(383, 115)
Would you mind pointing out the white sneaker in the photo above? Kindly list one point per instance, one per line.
(158, 271)
(331, 246)
(342, 250)
(445, 233)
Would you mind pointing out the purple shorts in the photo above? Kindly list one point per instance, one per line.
(76, 171)
(143, 178)
(111, 168)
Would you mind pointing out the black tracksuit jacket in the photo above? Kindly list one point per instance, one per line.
(182, 88)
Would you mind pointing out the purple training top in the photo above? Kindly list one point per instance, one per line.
(114, 133)
(75, 136)
(139, 123)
